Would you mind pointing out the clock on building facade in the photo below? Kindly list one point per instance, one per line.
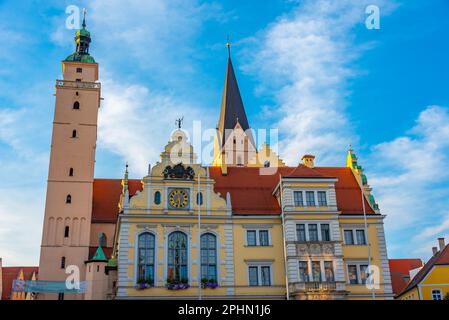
(178, 199)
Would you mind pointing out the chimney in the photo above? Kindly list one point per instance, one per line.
(434, 250)
(441, 243)
(308, 160)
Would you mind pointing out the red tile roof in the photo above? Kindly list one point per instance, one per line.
(251, 193)
(441, 258)
(106, 196)
(9, 274)
(400, 272)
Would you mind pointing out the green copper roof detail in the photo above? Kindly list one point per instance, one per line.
(112, 262)
(99, 255)
(364, 180)
(76, 57)
(82, 42)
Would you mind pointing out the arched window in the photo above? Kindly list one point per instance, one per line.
(62, 262)
(103, 240)
(199, 198)
(177, 258)
(68, 199)
(208, 257)
(71, 172)
(66, 231)
(157, 197)
(146, 258)
(76, 105)
(74, 134)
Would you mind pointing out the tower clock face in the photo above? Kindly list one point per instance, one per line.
(178, 199)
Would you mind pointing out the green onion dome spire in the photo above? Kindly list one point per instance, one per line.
(82, 41)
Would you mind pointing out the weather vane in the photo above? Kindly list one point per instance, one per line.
(228, 44)
(179, 122)
(84, 17)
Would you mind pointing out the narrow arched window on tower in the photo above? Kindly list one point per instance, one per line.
(62, 262)
(103, 240)
(199, 198)
(71, 172)
(74, 134)
(66, 231)
(68, 199)
(157, 197)
(76, 105)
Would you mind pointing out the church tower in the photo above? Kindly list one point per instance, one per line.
(66, 231)
(234, 143)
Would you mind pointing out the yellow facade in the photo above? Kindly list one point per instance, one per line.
(435, 284)
(150, 212)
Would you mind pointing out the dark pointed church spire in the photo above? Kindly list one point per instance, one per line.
(232, 109)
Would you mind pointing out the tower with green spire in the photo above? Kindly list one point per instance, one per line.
(82, 40)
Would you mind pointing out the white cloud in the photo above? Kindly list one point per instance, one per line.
(136, 123)
(410, 179)
(304, 58)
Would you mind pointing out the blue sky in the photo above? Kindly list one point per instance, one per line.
(309, 68)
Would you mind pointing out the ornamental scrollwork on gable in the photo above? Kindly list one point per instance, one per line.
(178, 172)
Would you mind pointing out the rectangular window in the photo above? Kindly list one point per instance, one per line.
(253, 276)
(363, 273)
(301, 232)
(352, 274)
(299, 202)
(329, 271)
(325, 232)
(251, 237)
(310, 198)
(436, 295)
(322, 201)
(265, 275)
(316, 271)
(79, 70)
(349, 237)
(313, 232)
(61, 296)
(360, 234)
(263, 238)
(303, 271)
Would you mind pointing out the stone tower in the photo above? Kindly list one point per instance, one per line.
(68, 209)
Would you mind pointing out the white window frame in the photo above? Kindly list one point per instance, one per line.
(437, 291)
(257, 230)
(259, 266)
(322, 270)
(354, 237)
(318, 223)
(359, 273)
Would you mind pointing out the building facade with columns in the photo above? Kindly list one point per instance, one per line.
(247, 226)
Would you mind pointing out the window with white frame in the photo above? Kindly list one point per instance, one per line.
(301, 232)
(329, 271)
(436, 294)
(303, 271)
(310, 198)
(322, 200)
(259, 275)
(354, 237)
(257, 237)
(312, 232)
(357, 273)
(316, 271)
(298, 199)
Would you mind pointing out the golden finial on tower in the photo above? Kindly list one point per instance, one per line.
(228, 44)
